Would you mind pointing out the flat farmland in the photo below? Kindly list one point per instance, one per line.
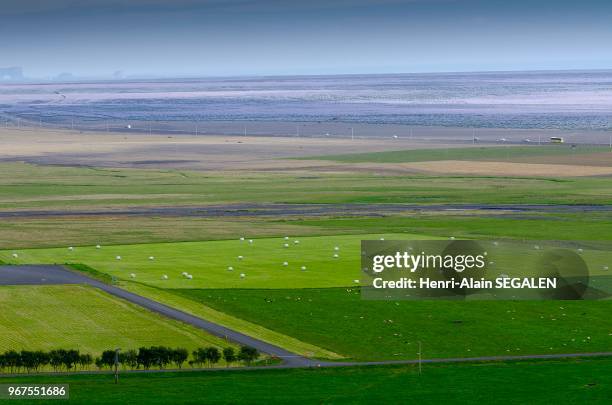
(310, 261)
(339, 320)
(84, 318)
(29, 187)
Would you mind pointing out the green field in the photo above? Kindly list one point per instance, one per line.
(559, 382)
(389, 330)
(471, 153)
(305, 311)
(24, 186)
(474, 225)
(208, 262)
(87, 319)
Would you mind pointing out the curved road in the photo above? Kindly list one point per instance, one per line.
(51, 274)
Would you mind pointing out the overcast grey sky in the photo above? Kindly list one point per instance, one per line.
(245, 37)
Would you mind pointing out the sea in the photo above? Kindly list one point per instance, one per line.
(570, 100)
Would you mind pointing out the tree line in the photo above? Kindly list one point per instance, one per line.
(145, 357)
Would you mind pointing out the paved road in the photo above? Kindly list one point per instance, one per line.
(50, 274)
(250, 210)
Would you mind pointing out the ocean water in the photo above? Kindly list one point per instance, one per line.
(530, 100)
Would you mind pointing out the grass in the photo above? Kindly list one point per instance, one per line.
(25, 186)
(208, 262)
(71, 316)
(339, 320)
(538, 225)
(559, 382)
(114, 230)
(196, 308)
(471, 153)
(300, 311)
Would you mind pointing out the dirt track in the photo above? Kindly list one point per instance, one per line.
(255, 210)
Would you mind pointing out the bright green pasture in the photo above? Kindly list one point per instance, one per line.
(339, 320)
(208, 262)
(87, 319)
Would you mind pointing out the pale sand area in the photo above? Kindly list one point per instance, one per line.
(192, 152)
(239, 153)
(506, 169)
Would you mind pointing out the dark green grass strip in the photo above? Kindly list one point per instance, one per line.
(558, 382)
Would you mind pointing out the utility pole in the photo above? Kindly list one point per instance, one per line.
(352, 134)
(297, 130)
(420, 359)
(117, 365)
(245, 130)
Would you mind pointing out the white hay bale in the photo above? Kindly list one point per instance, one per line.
(70, 248)
(382, 238)
(164, 277)
(336, 248)
(356, 281)
(118, 257)
(242, 275)
(297, 242)
(286, 238)
(230, 268)
(240, 257)
(132, 275)
(285, 264)
(286, 245)
(336, 255)
(98, 246)
(250, 240)
(15, 255)
(452, 238)
(242, 239)
(605, 268)
(303, 267)
(151, 257)
(184, 274)
(189, 276)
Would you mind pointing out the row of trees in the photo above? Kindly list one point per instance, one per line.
(32, 361)
(146, 357)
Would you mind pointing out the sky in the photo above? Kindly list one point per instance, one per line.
(96, 38)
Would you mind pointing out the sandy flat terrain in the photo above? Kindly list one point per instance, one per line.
(506, 169)
(207, 152)
(240, 153)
